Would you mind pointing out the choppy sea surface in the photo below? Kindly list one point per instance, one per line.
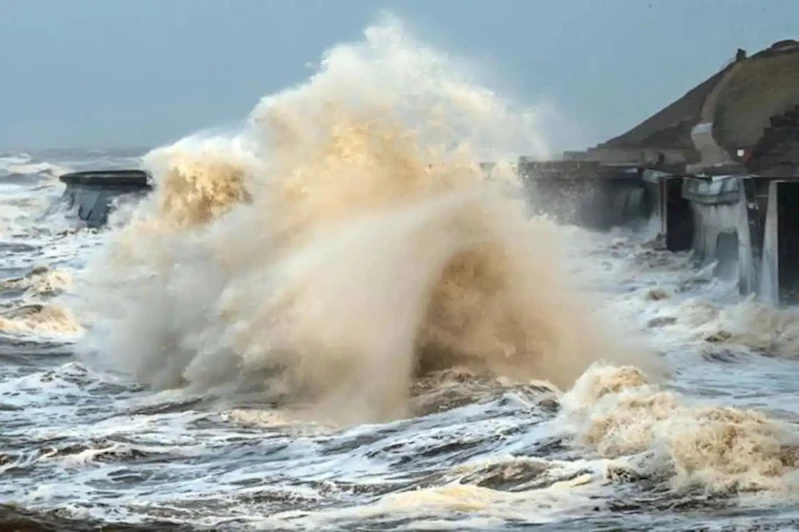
(80, 447)
(329, 318)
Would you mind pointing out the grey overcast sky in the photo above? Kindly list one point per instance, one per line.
(122, 73)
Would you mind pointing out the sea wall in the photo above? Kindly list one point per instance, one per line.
(746, 226)
(93, 195)
(588, 194)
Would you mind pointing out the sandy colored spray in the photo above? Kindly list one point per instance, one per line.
(343, 243)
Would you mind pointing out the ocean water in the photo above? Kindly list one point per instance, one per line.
(330, 319)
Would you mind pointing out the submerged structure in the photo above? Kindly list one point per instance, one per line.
(94, 194)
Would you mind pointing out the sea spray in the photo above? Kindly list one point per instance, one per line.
(343, 243)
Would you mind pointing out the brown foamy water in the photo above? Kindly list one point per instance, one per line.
(347, 242)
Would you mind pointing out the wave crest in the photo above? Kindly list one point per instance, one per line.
(344, 242)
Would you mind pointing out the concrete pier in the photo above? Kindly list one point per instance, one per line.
(94, 194)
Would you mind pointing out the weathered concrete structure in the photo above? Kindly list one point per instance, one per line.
(671, 211)
(94, 194)
(721, 232)
(588, 193)
(747, 226)
(755, 223)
